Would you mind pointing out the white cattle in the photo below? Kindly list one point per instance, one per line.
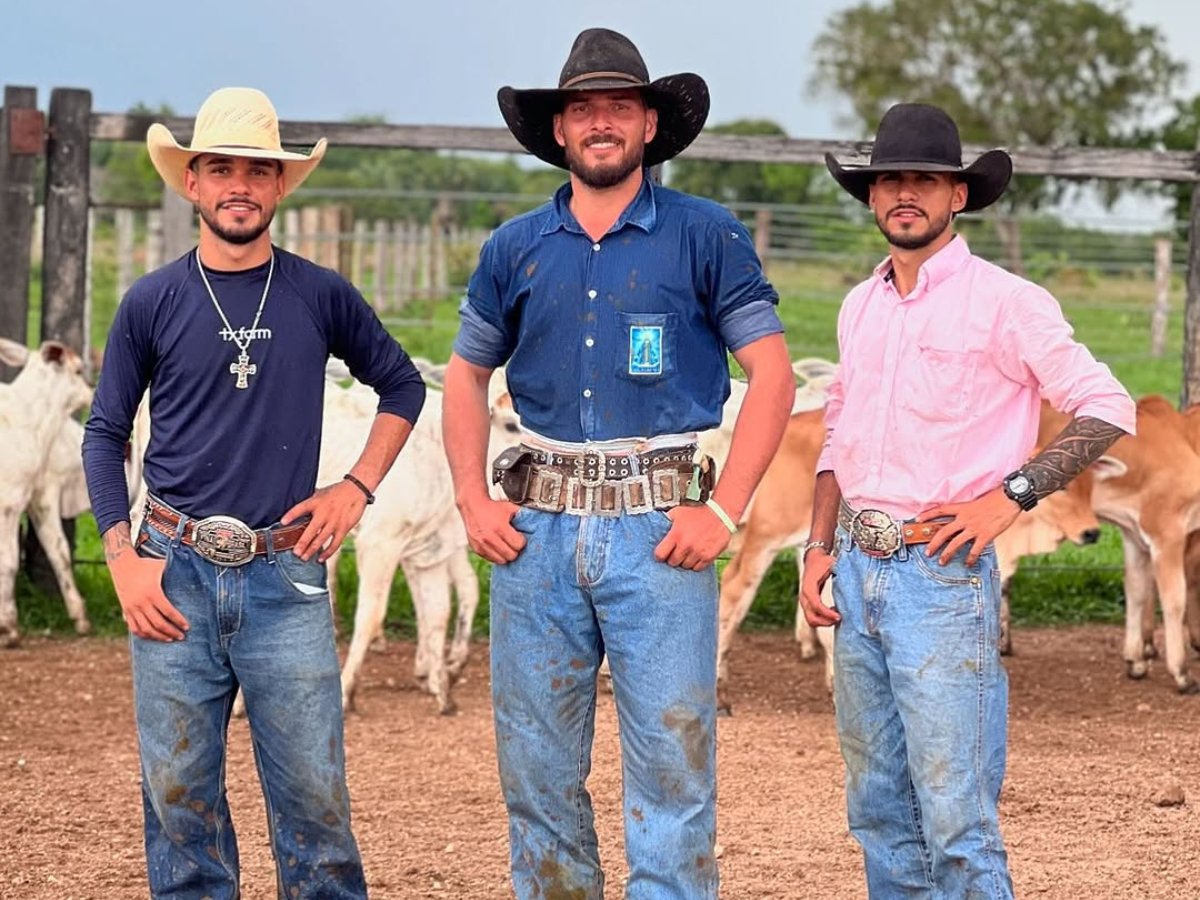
(49, 387)
(414, 524)
(61, 493)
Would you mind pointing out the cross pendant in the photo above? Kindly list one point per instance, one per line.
(242, 368)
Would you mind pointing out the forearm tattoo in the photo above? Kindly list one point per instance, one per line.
(116, 541)
(1077, 446)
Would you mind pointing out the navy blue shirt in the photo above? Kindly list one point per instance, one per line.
(215, 449)
(624, 337)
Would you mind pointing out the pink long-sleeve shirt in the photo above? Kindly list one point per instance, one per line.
(937, 394)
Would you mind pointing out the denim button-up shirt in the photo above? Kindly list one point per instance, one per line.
(622, 337)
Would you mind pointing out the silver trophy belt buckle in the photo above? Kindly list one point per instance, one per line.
(875, 532)
(224, 540)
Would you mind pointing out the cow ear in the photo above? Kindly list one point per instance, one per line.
(53, 352)
(1108, 467)
(12, 353)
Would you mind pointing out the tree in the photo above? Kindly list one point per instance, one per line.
(734, 182)
(1010, 72)
(1180, 133)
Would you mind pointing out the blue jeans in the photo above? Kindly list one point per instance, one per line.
(585, 586)
(266, 627)
(922, 708)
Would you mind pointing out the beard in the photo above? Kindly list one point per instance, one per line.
(605, 175)
(239, 234)
(917, 241)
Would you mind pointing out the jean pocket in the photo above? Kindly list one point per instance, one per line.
(305, 579)
(954, 572)
(150, 544)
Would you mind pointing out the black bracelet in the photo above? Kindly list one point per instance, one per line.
(362, 487)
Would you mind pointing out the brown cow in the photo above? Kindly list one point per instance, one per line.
(1155, 501)
(781, 513)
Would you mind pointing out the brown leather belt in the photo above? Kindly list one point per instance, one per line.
(879, 535)
(223, 540)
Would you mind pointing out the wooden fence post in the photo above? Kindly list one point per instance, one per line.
(65, 258)
(1191, 310)
(154, 239)
(177, 216)
(1162, 296)
(22, 137)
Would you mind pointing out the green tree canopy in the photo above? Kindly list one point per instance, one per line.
(1010, 72)
(743, 182)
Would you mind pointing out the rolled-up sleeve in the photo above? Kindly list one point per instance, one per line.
(1038, 347)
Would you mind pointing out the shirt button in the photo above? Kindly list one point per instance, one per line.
(595, 247)
(591, 295)
(589, 342)
(587, 392)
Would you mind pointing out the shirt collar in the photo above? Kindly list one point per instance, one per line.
(642, 212)
(934, 270)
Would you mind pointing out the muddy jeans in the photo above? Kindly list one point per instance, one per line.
(922, 709)
(584, 587)
(267, 627)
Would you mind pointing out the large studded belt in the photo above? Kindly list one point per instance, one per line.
(595, 483)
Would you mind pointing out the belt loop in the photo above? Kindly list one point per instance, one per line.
(269, 534)
(901, 554)
(180, 527)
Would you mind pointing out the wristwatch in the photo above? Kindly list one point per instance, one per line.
(1018, 487)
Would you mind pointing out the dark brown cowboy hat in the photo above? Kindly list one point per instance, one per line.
(603, 60)
(915, 137)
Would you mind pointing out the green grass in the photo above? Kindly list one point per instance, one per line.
(1110, 315)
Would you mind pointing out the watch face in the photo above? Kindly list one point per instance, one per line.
(1019, 484)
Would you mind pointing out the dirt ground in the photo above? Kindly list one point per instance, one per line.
(1090, 755)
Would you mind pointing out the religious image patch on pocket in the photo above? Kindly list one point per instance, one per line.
(645, 350)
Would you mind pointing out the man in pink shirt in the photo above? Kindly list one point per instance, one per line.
(930, 424)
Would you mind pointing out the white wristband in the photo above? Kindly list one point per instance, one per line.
(721, 514)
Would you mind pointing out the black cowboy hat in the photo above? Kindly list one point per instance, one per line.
(603, 60)
(915, 137)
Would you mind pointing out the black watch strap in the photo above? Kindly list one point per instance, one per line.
(1018, 487)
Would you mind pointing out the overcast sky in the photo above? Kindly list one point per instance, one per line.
(438, 61)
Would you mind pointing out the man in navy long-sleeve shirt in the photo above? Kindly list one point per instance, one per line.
(224, 586)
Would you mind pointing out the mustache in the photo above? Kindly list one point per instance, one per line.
(906, 207)
(602, 139)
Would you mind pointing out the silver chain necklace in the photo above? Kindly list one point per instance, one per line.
(243, 367)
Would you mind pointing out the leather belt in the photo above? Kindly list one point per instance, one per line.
(581, 484)
(587, 466)
(223, 540)
(879, 535)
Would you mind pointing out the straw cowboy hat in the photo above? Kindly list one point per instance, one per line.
(232, 122)
(603, 60)
(915, 137)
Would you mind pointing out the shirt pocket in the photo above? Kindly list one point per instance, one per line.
(941, 383)
(647, 348)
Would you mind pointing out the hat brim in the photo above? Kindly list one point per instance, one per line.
(171, 159)
(986, 178)
(681, 101)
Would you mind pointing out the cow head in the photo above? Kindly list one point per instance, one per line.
(53, 375)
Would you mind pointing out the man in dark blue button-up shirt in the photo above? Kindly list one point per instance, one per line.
(614, 307)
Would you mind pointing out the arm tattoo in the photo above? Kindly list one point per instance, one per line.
(116, 541)
(1077, 446)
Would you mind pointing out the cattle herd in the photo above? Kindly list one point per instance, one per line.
(1148, 486)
